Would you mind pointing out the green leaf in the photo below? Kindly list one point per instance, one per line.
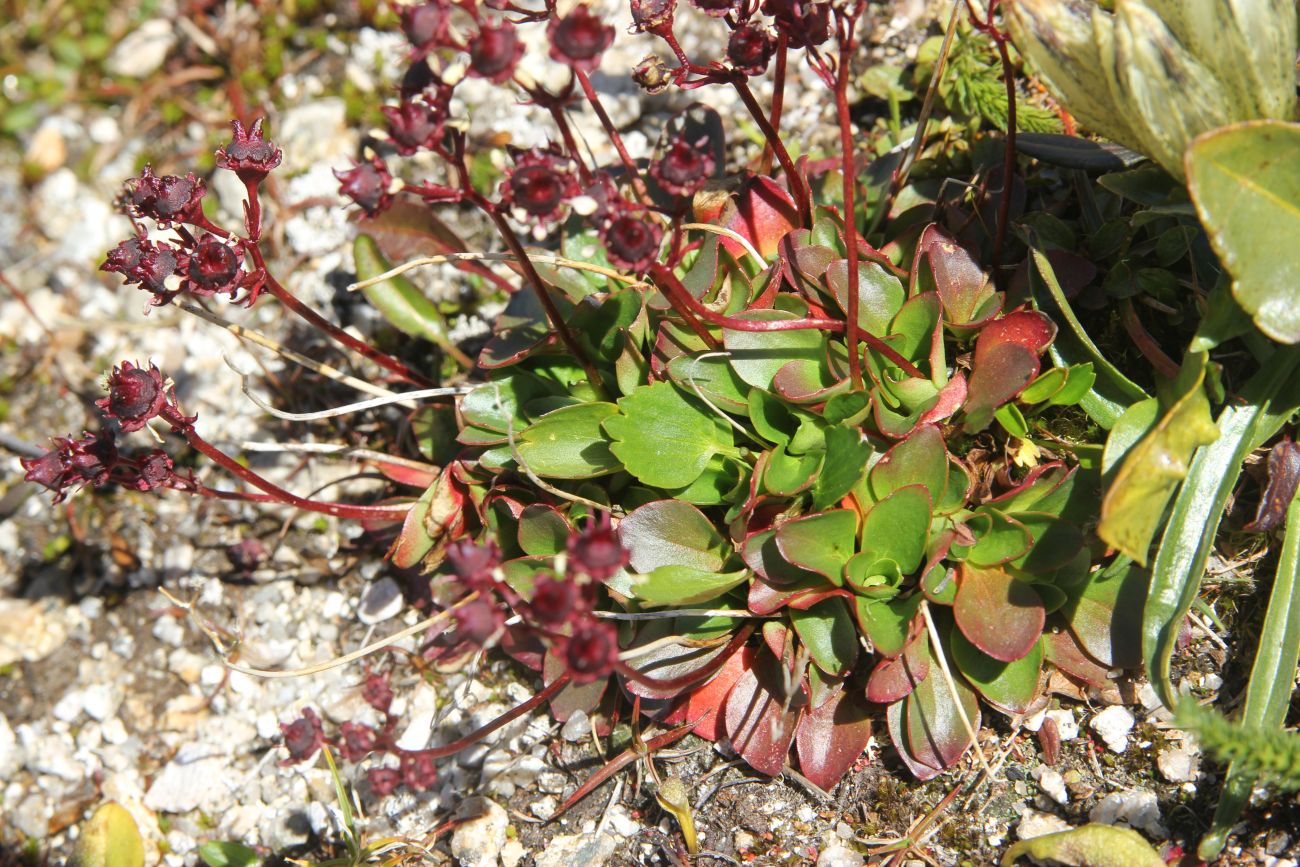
(683, 585)
(920, 459)
(1128, 430)
(756, 356)
(664, 438)
(715, 379)
(1135, 501)
(847, 453)
(1245, 182)
(1266, 403)
(227, 853)
(569, 443)
(886, 623)
(109, 838)
(670, 532)
(543, 531)
(1089, 846)
(1112, 392)
(1008, 686)
(898, 527)
(827, 630)
(397, 299)
(1272, 678)
(821, 543)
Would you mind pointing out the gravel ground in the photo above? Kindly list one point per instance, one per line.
(110, 691)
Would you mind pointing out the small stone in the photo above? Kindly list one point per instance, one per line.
(1112, 725)
(1066, 725)
(1137, 808)
(576, 727)
(839, 855)
(193, 778)
(478, 841)
(1036, 824)
(512, 853)
(169, 631)
(142, 50)
(69, 707)
(31, 630)
(10, 758)
(544, 807)
(744, 841)
(1179, 764)
(47, 150)
(618, 821)
(1052, 784)
(101, 700)
(551, 782)
(589, 850)
(381, 601)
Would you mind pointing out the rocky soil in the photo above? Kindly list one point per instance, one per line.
(110, 689)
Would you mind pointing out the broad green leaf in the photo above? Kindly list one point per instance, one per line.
(1266, 403)
(756, 356)
(543, 531)
(109, 838)
(397, 298)
(1245, 181)
(936, 735)
(921, 459)
(827, 630)
(898, 527)
(786, 475)
(886, 623)
(1105, 614)
(1008, 686)
(670, 532)
(715, 485)
(1001, 615)
(227, 853)
(880, 294)
(414, 541)
(847, 453)
(682, 585)
(569, 443)
(715, 379)
(664, 438)
(999, 539)
(1272, 678)
(1129, 429)
(1090, 846)
(821, 543)
(1135, 501)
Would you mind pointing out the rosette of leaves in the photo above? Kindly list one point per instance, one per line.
(759, 492)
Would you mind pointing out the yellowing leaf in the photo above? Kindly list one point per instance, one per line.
(1089, 846)
(109, 838)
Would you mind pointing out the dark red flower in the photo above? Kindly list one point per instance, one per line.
(367, 184)
(419, 770)
(495, 51)
(425, 25)
(590, 652)
(716, 8)
(302, 737)
(144, 264)
(596, 551)
(579, 38)
(249, 154)
(415, 125)
(213, 267)
(155, 470)
(474, 563)
(539, 184)
(478, 622)
(685, 166)
(383, 781)
(750, 49)
(246, 555)
(630, 241)
(356, 741)
(803, 22)
(377, 692)
(135, 396)
(89, 460)
(554, 600)
(652, 75)
(166, 199)
(653, 16)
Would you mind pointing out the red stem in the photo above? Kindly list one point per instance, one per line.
(508, 717)
(850, 214)
(621, 761)
(279, 494)
(798, 189)
(570, 144)
(594, 99)
(778, 99)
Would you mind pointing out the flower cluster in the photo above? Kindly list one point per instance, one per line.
(95, 460)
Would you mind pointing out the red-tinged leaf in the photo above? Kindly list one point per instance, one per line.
(414, 541)
(766, 598)
(1105, 615)
(1005, 370)
(671, 661)
(670, 533)
(967, 294)
(898, 526)
(950, 399)
(1000, 615)
(898, 737)
(920, 459)
(1010, 687)
(1283, 479)
(1029, 328)
(575, 697)
(764, 213)
(405, 474)
(832, 737)
(706, 700)
(802, 262)
(1064, 651)
(754, 722)
(936, 735)
(407, 230)
(761, 554)
(894, 679)
(821, 543)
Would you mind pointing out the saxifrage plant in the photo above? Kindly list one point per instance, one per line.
(724, 458)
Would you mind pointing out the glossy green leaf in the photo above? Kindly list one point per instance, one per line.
(756, 356)
(1266, 403)
(1009, 686)
(920, 459)
(570, 443)
(880, 294)
(786, 475)
(999, 539)
(1135, 423)
(1105, 614)
(1135, 502)
(683, 585)
(935, 733)
(821, 543)
(1245, 181)
(886, 623)
(670, 532)
(828, 632)
(543, 531)
(664, 438)
(715, 379)
(898, 527)
(847, 453)
(398, 299)
(1001, 615)
(227, 853)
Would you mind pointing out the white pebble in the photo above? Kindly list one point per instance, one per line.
(1112, 725)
